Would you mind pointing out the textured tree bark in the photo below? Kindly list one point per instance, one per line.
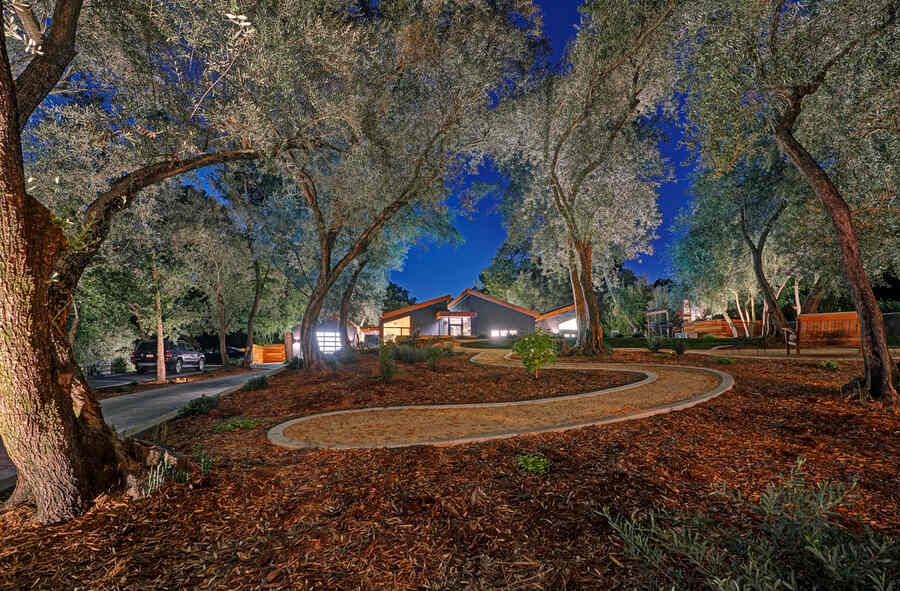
(879, 366)
(48, 418)
(737, 302)
(581, 316)
(593, 336)
(308, 346)
(73, 325)
(814, 299)
(345, 305)
(223, 328)
(259, 285)
(756, 250)
(160, 337)
(734, 332)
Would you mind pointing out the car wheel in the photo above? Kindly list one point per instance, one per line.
(179, 365)
(201, 365)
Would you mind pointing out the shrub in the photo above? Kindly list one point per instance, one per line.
(794, 544)
(199, 406)
(679, 346)
(204, 461)
(347, 356)
(829, 364)
(654, 344)
(534, 463)
(410, 354)
(724, 360)
(386, 364)
(435, 354)
(295, 363)
(237, 423)
(119, 365)
(536, 350)
(257, 383)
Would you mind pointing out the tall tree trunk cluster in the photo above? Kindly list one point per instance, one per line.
(587, 309)
(879, 367)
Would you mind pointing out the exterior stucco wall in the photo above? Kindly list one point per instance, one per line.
(493, 316)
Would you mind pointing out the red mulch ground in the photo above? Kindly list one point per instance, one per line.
(459, 517)
(140, 387)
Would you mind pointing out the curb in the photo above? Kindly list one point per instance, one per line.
(276, 434)
(146, 426)
(10, 482)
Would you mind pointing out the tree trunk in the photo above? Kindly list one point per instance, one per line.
(160, 337)
(737, 302)
(345, 305)
(814, 299)
(581, 316)
(50, 424)
(734, 332)
(223, 328)
(797, 306)
(593, 330)
(309, 348)
(878, 364)
(259, 285)
(73, 325)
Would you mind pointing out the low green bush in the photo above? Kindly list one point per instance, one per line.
(347, 356)
(794, 543)
(410, 354)
(654, 344)
(237, 423)
(724, 360)
(295, 363)
(536, 350)
(387, 367)
(204, 461)
(679, 346)
(257, 383)
(536, 463)
(199, 406)
(119, 365)
(829, 364)
(434, 354)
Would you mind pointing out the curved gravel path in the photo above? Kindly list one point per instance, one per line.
(665, 388)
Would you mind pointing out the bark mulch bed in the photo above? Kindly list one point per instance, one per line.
(115, 391)
(458, 517)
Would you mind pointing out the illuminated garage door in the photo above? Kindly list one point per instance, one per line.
(329, 342)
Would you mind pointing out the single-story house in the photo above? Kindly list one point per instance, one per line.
(471, 313)
(561, 321)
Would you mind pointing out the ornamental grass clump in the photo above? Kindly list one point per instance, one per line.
(536, 463)
(795, 542)
(536, 350)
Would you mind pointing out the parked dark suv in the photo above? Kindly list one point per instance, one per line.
(178, 356)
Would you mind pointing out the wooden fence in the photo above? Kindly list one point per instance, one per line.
(832, 328)
(719, 328)
(268, 354)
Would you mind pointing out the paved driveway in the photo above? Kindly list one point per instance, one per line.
(133, 413)
(123, 379)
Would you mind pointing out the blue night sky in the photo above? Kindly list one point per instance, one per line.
(433, 270)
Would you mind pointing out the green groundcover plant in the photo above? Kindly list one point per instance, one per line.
(793, 543)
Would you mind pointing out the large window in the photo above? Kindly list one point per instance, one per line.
(456, 326)
(329, 342)
(499, 333)
(401, 327)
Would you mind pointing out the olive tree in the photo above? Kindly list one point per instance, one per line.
(580, 130)
(820, 80)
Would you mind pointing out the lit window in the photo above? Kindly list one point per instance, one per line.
(329, 342)
(503, 332)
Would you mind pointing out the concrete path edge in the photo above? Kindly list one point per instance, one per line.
(277, 436)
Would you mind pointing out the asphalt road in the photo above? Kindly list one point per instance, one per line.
(133, 413)
(123, 379)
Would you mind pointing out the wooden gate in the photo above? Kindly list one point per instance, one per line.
(268, 354)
